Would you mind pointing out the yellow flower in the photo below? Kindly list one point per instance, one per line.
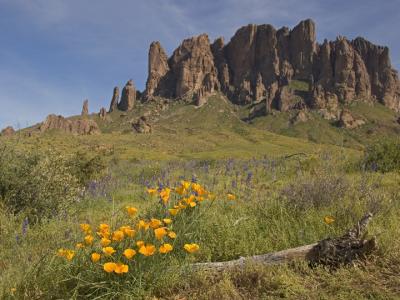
(61, 252)
(152, 192)
(105, 242)
(191, 248)
(121, 268)
(69, 255)
(180, 190)
(109, 267)
(104, 227)
(329, 220)
(127, 230)
(165, 248)
(131, 210)
(104, 230)
(79, 246)
(231, 196)
(129, 253)
(139, 243)
(167, 221)
(172, 235)
(164, 194)
(173, 211)
(147, 250)
(88, 240)
(190, 201)
(95, 257)
(108, 250)
(118, 236)
(160, 233)
(85, 227)
(143, 225)
(195, 186)
(155, 223)
(185, 184)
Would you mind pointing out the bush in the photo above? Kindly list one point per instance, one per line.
(319, 191)
(383, 156)
(86, 167)
(39, 185)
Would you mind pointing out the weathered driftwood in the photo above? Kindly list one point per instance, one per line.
(331, 252)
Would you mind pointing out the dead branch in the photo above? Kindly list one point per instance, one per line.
(331, 252)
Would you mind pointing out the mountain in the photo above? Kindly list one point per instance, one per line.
(281, 80)
(260, 62)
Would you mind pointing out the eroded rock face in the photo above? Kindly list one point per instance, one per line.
(79, 126)
(8, 131)
(190, 70)
(114, 100)
(259, 61)
(158, 68)
(128, 97)
(85, 108)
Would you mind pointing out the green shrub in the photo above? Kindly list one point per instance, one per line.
(383, 156)
(39, 185)
(87, 167)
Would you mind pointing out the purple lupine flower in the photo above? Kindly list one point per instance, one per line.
(25, 225)
(249, 177)
(194, 179)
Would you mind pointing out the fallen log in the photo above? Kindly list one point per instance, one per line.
(330, 252)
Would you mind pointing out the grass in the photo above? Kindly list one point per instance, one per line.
(281, 201)
(262, 219)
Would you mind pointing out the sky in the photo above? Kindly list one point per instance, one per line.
(56, 53)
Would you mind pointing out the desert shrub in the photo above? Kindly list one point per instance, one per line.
(383, 156)
(87, 167)
(39, 185)
(316, 191)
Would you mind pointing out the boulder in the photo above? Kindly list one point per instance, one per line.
(347, 120)
(142, 125)
(8, 131)
(300, 117)
(128, 97)
(114, 100)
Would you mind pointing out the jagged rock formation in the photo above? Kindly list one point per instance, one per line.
(128, 97)
(85, 108)
(114, 100)
(8, 131)
(103, 113)
(158, 68)
(77, 126)
(260, 62)
(190, 71)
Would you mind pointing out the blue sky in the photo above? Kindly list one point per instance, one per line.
(56, 53)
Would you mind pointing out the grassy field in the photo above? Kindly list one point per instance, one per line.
(265, 192)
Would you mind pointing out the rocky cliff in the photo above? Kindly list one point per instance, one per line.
(259, 63)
